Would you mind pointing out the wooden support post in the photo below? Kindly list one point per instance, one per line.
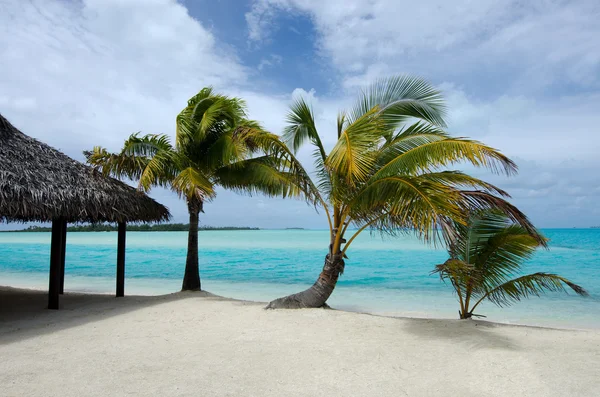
(121, 259)
(55, 246)
(63, 248)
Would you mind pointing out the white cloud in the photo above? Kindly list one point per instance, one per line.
(538, 42)
(79, 74)
(544, 130)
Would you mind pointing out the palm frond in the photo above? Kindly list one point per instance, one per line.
(474, 201)
(426, 154)
(263, 174)
(406, 202)
(115, 164)
(459, 273)
(401, 98)
(353, 156)
(284, 159)
(460, 180)
(530, 285)
(136, 154)
(191, 183)
(301, 127)
(226, 149)
(146, 145)
(219, 111)
(414, 135)
(341, 123)
(486, 252)
(159, 170)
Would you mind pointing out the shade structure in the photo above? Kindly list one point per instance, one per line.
(40, 183)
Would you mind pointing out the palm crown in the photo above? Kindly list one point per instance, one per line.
(216, 144)
(214, 139)
(388, 170)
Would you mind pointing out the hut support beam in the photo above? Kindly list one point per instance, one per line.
(122, 229)
(63, 248)
(55, 260)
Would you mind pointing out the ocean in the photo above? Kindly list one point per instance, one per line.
(389, 276)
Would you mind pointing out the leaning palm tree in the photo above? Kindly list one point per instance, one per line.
(485, 254)
(215, 145)
(387, 172)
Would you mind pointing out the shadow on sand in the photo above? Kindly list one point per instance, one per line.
(24, 313)
(473, 334)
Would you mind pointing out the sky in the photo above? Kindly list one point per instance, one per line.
(521, 76)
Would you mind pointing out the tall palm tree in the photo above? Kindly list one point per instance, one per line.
(386, 172)
(485, 254)
(215, 144)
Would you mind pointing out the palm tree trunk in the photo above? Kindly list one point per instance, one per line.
(191, 277)
(317, 295)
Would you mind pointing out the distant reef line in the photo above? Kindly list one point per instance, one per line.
(103, 227)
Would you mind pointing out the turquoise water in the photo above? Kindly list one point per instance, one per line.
(389, 276)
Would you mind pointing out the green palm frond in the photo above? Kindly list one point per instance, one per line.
(213, 138)
(160, 170)
(504, 254)
(353, 156)
(301, 127)
(406, 202)
(486, 253)
(458, 273)
(116, 164)
(474, 201)
(432, 153)
(134, 158)
(207, 114)
(221, 111)
(191, 183)
(263, 174)
(415, 135)
(146, 145)
(530, 285)
(284, 160)
(341, 123)
(225, 150)
(400, 99)
(460, 180)
(186, 127)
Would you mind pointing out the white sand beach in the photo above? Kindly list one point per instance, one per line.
(197, 344)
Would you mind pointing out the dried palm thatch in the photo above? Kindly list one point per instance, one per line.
(39, 183)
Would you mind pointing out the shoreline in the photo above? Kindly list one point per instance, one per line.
(83, 293)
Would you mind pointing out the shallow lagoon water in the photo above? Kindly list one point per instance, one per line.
(383, 276)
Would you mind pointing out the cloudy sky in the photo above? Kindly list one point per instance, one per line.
(522, 76)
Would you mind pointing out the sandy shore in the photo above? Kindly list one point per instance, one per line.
(197, 344)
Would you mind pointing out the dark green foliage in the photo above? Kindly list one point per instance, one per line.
(485, 255)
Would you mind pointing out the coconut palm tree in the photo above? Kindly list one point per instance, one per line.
(387, 172)
(487, 252)
(215, 145)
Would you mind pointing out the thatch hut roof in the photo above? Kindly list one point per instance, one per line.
(39, 183)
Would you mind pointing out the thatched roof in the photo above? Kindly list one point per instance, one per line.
(39, 183)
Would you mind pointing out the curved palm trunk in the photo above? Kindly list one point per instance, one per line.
(191, 277)
(317, 295)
